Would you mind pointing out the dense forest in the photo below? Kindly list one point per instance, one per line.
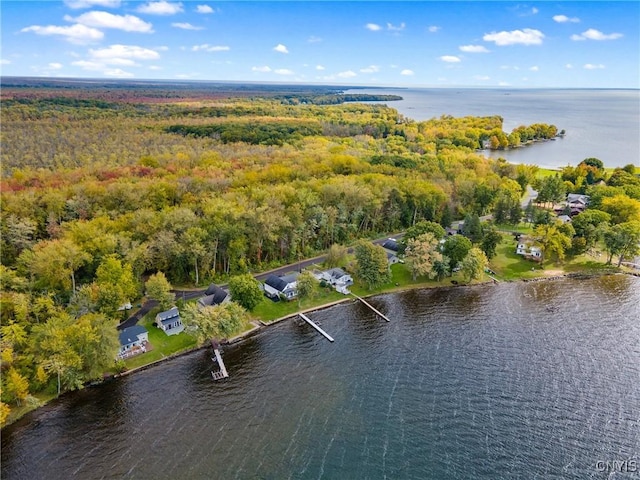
(103, 187)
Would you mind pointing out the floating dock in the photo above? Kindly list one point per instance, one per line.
(308, 320)
(370, 306)
(222, 373)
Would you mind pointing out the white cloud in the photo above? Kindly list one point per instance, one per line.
(347, 74)
(4, 61)
(406, 72)
(54, 66)
(319, 67)
(118, 73)
(534, 10)
(565, 19)
(482, 78)
(370, 69)
(77, 4)
(186, 26)
(504, 84)
(535, 68)
(473, 49)
(314, 39)
(204, 9)
(434, 29)
(155, 67)
(161, 8)
(593, 34)
(264, 69)
(123, 54)
(205, 47)
(374, 27)
(87, 65)
(395, 28)
(283, 71)
(568, 65)
(280, 48)
(128, 23)
(527, 36)
(590, 66)
(450, 59)
(78, 34)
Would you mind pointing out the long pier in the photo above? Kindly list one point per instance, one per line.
(222, 373)
(370, 306)
(308, 320)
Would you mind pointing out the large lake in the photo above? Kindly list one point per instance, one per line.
(599, 123)
(515, 380)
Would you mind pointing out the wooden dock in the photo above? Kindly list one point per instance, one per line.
(308, 320)
(370, 306)
(222, 373)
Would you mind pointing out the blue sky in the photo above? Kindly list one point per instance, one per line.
(516, 44)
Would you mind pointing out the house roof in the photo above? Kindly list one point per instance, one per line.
(336, 273)
(577, 198)
(390, 244)
(214, 295)
(168, 315)
(130, 334)
(280, 283)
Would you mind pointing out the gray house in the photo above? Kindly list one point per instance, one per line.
(133, 340)
(285, 286)
(214, 295)
(170, 321)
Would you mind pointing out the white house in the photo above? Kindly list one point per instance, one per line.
(529, 251)
(285, 286)
(338, 278)
(170, 321)
(133, 340)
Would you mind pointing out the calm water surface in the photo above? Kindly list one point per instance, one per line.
(600, 123)
(523, 380)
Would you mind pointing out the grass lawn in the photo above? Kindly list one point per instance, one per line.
(268, 310)
(510, 266)
(163, 345)
(546, 172)
(520, 228)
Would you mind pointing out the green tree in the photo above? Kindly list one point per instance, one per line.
(456, 248)
(623, 240)
(53, 264)
(336, 256)
(590, 225)
(421, 254)
(552, 241)
(372, 267)
(115, 285)
(472, 228)
(219, 321)
(419, 229)
(622, 208)
(306, 285)
(15, 387)
(474, 264)
(245, 290)
(491, 238)
(158, 288)
(441, 268)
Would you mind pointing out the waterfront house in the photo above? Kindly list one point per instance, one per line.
(133, 340)
(284, 286)
(577, 203)
(170, 321)
(337, 278)
(214, 295)
(530, 252)
(391, 245)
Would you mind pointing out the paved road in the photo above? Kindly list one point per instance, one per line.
(191, 294)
